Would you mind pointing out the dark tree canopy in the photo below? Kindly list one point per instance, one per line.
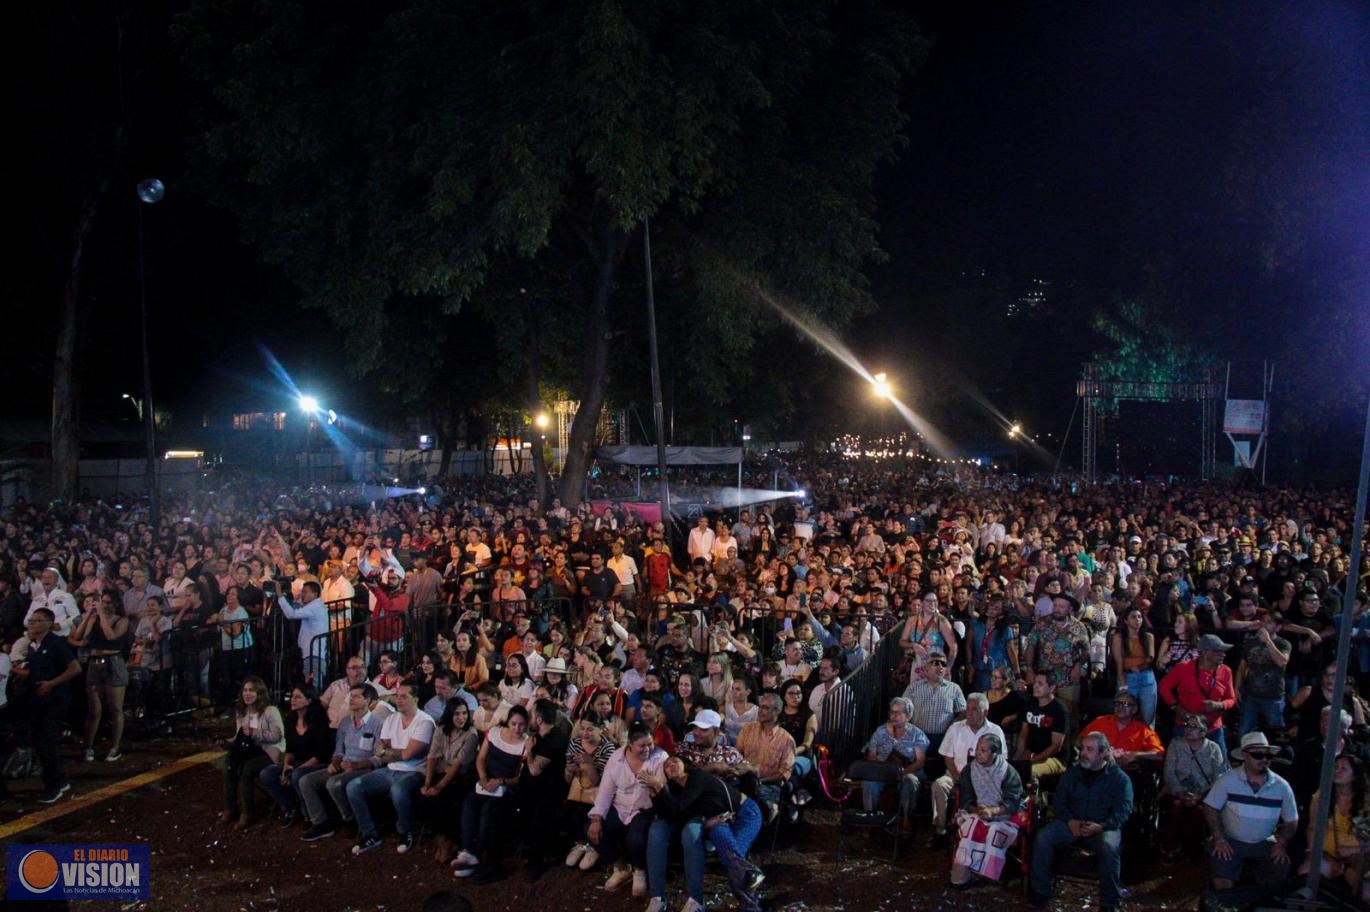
(399, 161)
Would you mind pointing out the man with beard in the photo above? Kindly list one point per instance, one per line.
(1092, 803)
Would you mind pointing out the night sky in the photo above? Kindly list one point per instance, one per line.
(1081, 151)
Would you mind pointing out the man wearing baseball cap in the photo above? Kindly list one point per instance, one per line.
(1252, 815)
(1203, 685)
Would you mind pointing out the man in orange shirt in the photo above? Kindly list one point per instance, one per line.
(1133, 741)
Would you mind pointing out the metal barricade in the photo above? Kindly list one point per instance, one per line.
(768, 625)
(859, 704)
(328, 652)
(177, 670)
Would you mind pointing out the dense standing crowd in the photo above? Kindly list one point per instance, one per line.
(524, 663)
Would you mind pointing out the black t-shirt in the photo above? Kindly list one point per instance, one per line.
(601, 584)
(1042, 723)
(552, 746)
(1305, 664)
(1010, 705)
(47, 660)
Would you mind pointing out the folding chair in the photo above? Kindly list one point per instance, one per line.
(858, 818)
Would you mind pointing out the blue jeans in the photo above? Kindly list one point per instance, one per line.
(692, 848)
(803, 765)
(1055, 836)
(732, 840)
(617, 838)
(314, 666)
(1142, 685)
(401, 787)
(286, 797)
(1219, 737)
(1262, 712)
(908, 793)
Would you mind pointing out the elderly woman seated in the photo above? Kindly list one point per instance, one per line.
(901, 749)
(991, 794)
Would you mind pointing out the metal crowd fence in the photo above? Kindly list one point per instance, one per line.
(770, 626)
(176, 670)
(411, 634)
(859, 704)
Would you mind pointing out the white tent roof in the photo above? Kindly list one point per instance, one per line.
(675, 455)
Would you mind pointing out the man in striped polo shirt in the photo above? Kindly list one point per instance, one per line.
(1252, 816)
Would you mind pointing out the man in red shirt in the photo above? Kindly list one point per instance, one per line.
(656, 566)
(1132, 740)
(1203, 685)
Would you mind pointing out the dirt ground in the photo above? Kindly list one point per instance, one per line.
(197, 866)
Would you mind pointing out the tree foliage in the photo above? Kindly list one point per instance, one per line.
(1142, 345)
(394, 156)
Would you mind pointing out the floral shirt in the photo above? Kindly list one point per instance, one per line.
(1060, 648)
(883, 744)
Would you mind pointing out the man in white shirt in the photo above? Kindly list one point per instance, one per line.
(958, 749)
(334, 697)
(701, 541)
(313, 618)
(52, 594)
(828, 679)
(477, 550)
(992, 531)
(625, 568)
(337, 594)
(405, 737)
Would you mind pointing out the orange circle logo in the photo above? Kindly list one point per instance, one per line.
(38, 871)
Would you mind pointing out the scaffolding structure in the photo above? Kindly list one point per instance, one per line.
(1094, 392)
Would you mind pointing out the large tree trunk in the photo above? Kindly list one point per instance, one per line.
(594, 371)
(66, 388)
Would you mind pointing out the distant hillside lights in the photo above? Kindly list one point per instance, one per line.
(1034, 299)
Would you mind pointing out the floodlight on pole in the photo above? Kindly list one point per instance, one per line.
(309, 404)
(542, 420)
(882, 387)
(1015, 430)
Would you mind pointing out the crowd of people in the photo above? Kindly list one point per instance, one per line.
(1090, 652)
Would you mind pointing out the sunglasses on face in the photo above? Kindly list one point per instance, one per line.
(938, 663)
(1260, 755)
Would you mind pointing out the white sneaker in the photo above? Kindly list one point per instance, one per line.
(576, 854)
(639, 882)
(590, 858)
(618, 879)
(691, 906)
(465, 859)
(88, 756)
(656, 905)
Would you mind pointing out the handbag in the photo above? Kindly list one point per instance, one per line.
(720, 819)
(585, 794)
(242, 749)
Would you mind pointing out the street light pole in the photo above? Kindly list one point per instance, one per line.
(1348, 612)
(149, 192)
